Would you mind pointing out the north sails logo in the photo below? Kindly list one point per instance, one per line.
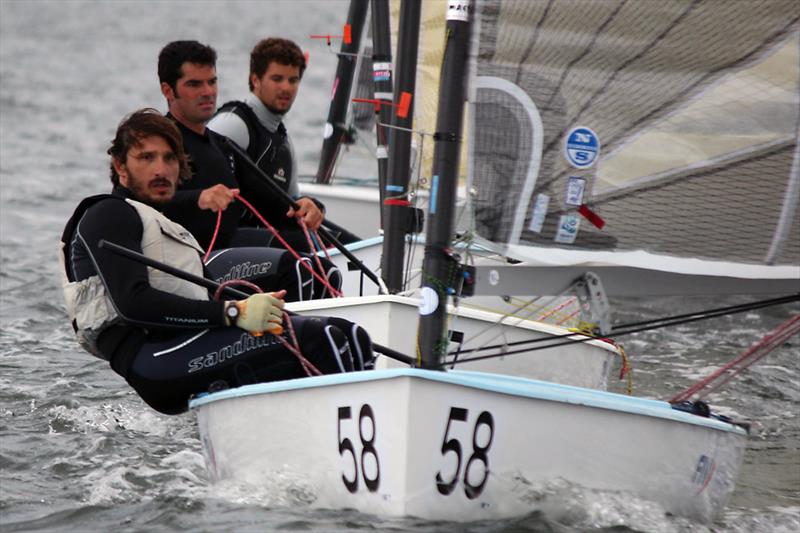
(246, 270)
(246, 343)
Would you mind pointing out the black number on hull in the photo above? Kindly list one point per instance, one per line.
(479, 454)
(346, 445)
(451, 445)
(367, 448)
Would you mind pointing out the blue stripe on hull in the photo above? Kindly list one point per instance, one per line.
(501, 384)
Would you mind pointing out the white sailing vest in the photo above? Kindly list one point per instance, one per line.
(163, 240)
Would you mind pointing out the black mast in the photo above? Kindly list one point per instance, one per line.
(337, 113)
(395, 204)
(382, 80)
(440, 270)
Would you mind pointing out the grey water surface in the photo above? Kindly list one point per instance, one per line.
(80, 452)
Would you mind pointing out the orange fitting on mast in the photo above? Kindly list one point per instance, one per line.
(376, 104)
(402, 107)
(405, 104)
(347, 37)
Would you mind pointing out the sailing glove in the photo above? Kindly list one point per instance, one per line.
(257, 314)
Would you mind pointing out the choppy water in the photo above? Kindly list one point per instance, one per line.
(80, 452)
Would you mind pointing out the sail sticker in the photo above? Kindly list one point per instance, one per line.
(575, 188)
(433, 194)
(429, 301)
(494, 277)
(703, 472)
(591, 216)
(539, 212)
(328, 131)
(335, 86)
(458, 10)
(382, 71)
(582, 147)
(567, 229)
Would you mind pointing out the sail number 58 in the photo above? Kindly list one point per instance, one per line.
(479, 459)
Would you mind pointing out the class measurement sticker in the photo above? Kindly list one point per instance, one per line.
(582, 147)
(567, 229)
(575, 188)
(539, 213)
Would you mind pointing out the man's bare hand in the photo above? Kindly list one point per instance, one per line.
(216, 198)
(308, 211)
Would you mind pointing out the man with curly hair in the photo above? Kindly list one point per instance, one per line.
(256, 124)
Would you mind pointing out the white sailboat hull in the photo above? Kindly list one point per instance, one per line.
(463, 446)
(393, 321)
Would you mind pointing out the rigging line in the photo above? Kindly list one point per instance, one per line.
(782, 334)
(662, 322)
(213, 236)
(617, 332)
(575, 341)
(288, 247)
(757, 354)
(414, 191)
(754, 353)
(510, 314)
(735, 308)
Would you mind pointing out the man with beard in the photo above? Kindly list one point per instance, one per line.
(163, 334)
(256, 124)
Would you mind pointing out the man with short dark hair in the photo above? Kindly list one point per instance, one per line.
(164, 334)
(188, 76)
(256, 124)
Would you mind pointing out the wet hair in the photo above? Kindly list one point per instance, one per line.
(139, 125)
(175, 54)
(282, 51)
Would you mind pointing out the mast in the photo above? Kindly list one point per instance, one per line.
(382, 80)
(335, 128)
(395, 205)
(440, 268)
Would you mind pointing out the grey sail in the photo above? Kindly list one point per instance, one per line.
(618, 126)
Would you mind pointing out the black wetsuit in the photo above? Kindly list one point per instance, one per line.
(168, 347)
(270, 150)
(211, 163)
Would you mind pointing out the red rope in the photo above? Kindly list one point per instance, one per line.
(277, 235)
(214, 236)
(294, 347)
(230, 282)
(302, 224)
(324, 248)
(755, 353)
